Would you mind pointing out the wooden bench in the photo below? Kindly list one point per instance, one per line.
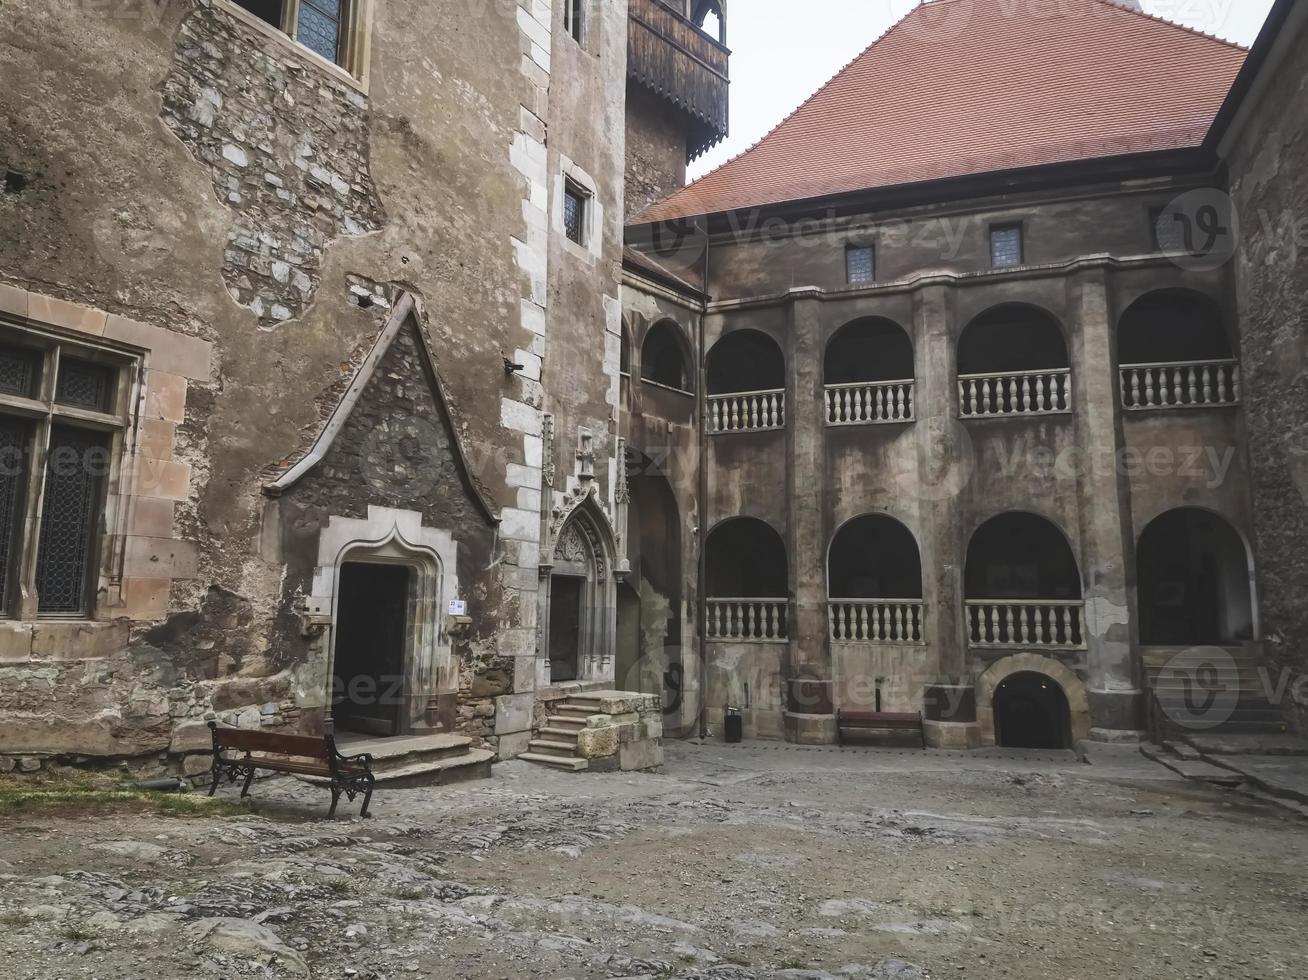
(879, 721)
(300, 755)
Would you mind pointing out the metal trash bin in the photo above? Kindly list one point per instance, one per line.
(733, 725)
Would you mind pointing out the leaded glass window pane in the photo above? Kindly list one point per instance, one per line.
(860, 265)
(15, 437)
(1006, 246)
(84, 385)
(574, 215)
(19, 368)
(76, 465)
(320, 27)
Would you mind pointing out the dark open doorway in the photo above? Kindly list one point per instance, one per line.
(1031, 713)
(566, 595)
(372, 625)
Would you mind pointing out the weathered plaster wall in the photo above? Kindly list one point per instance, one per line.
(129, 123)
(1269, 186)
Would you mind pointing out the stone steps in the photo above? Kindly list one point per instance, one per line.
(545, 746)
(562, 734)
(570, 723)
(1191, 768)
(557, 761)
(408, 762)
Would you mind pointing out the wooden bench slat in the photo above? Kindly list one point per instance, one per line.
(249, 741)
(884, 721)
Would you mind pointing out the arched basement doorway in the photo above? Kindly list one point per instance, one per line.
(1194, 581)
(1022, 585)
(874, 582)
(869, 373)
(746, 374)
(747, 581)
(1031, 712)
(1020, 697)
(1012, 360)
(1174, 351)
(663, 358)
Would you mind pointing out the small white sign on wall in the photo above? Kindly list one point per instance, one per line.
(458, 607)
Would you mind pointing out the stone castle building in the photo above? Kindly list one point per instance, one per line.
(364, 363)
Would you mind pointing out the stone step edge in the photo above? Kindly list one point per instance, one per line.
(473, 757)
(557, 762)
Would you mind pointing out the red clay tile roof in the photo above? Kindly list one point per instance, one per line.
(963, 87)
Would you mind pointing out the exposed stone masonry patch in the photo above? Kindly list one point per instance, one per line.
(287, 149)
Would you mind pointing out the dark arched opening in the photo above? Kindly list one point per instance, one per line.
(745, 557)
(745, 360)
(1012, 338)
(1193, 581)
(873, 349)
(662, 357)
(1172, 325)
(1020, 556)
(874, 557)
(1031, 712)
(1012, 360)
(1022, 585)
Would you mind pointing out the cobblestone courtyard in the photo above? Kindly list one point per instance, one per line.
(734, 862)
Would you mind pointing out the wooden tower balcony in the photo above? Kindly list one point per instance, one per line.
(677, 61)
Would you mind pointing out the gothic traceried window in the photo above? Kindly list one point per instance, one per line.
(62, 419)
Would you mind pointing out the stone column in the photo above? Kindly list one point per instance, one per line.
(809, 647)
(945, 465)
(1115, 695)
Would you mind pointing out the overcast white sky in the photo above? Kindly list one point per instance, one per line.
(783, 51)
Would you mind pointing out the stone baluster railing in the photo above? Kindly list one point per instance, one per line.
(870, 402)
(1015, 393)
(747, 620)
(876, 620)
(1026, 623)
(746, 411)
(1180, 384)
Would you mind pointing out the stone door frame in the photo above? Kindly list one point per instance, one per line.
(392, 537)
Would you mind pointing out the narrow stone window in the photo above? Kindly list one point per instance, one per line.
(574, 14)
(860, 264)
(1005, 246)
(576, 207)
(1168, 234)
(330, 28)
(63, 410)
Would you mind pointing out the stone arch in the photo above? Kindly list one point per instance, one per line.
(1173, 325)
(1074, 689)
(1012, 337)
(872, 348)
(665, 356)
(577, 609)
(1195, 580)
(745, 360)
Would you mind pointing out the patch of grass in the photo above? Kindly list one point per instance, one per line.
(408, 894)
(339, 886)
(73, 934)
(793, 965)
(20, 795)
(13, 919)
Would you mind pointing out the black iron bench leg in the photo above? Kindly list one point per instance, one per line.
(367, 798)
(336, 798)
(215, 774)
(249, 778)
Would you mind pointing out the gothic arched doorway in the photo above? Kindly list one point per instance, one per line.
(578, 598)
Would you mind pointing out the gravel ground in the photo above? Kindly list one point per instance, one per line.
(734, 862)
